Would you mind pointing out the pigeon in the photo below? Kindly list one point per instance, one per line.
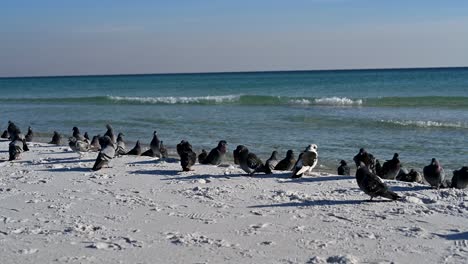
(106, 154)
(306, 161)
(343, 169)
(163, 151)
(216, 155)
(409, 176)
(203, 156)
(110, 133)
(391, 168)
(155, 147)
(365, 157)
(378, 168)
(77, 134)
(460, 178)
(5, 134)
(187, 156)
(86, 136)
(56, 139)
(249, 162)
(95, 146)
(272, 161)
(78, 145)
(287, 163)
(136, 150)
(434, 173)
(13, 130)
(120, 150)
(372, 185)
(16, 147)
(30, 135)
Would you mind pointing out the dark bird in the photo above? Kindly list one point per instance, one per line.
(372, 185)
(434, 173)
(135, 150)
(56, 139)
(286, 164)
(186, 154)
(78, 145)
(216, 155)
(94, 145)
(86, 136)
(163, 151)
(460, 178)
(306, 161)
(77, 134)
(365, 157)
(249, 162)
(16, 147)
(235, 154)
(5, 134)
(13, 130)
(106, 154)
(272, 161)
(202, 156)
(110, 133)
(343, 169)
(409, 176)
(378, 168)
(391, 168)
(30, 135)
(155, 147)
(120, 150)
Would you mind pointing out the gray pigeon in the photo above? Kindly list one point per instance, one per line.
(187, 156)
(56, 139)
(286, 164)
(77, 134)
(16, 147)
(13, 130)
(272, 161)
(95, 146)
(434, 174)
(155, 147)
(216, 155)
(106, 154)
(306, 161)
(391, 168)
(136, 150)
(203, 156)
(343, 169)
(120, 145)
(460, 178)
(249, 162)
(86, 136)
(78, 145)
(365, 157)
(110, 133)
(372, 185)
(30, 135)
(409, 176)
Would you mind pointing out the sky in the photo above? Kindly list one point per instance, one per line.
(88, 37)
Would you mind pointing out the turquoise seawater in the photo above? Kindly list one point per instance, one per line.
(419, 113)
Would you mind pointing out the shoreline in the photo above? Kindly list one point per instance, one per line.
(56, 210)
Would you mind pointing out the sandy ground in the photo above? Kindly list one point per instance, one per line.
(54, 209)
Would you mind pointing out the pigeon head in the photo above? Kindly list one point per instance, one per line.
(342, 162)
(395, 156)
(222, 146)
(274, 154)
(290, 154)
(311, 148)
(108, 126)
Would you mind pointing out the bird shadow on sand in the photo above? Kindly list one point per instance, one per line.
(454, 236)
(157, 172)
(313, 203)
(77, 169)
(67, 161)
(153, 161)
(311, 179)
(408, 188)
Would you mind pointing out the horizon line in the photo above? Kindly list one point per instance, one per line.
(232, 72)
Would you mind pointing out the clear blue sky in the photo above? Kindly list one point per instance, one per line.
(111, 37)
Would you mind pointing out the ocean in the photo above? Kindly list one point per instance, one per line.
(419, 113)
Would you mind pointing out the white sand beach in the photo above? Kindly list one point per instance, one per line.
(54, 209)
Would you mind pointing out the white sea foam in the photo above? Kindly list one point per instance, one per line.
(426, 123)
(300, 102)
(177, 100)
(337, 101)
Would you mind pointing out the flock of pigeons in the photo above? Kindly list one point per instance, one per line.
(369, 173)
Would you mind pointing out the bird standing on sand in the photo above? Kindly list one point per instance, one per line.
(77, 134)
(409, 176)
(287, 163)
(163, 150)
(5, 134)
(30, 135)
(94, 145)
(272, 161)
(391, 168)
(460, 178)
(86, 136)
(135, 150)
(120, 150)
(186, 154)
(434, 173)
(343, 169)
(216, 155)
(110, 133)
(365, 157)
(12, 130)
(155, 147)
(372, 185)
(249, 162)
(78, 145)
(306, 161)
(203, 156)
(56, 139)
(16, 147)
(106, 154)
